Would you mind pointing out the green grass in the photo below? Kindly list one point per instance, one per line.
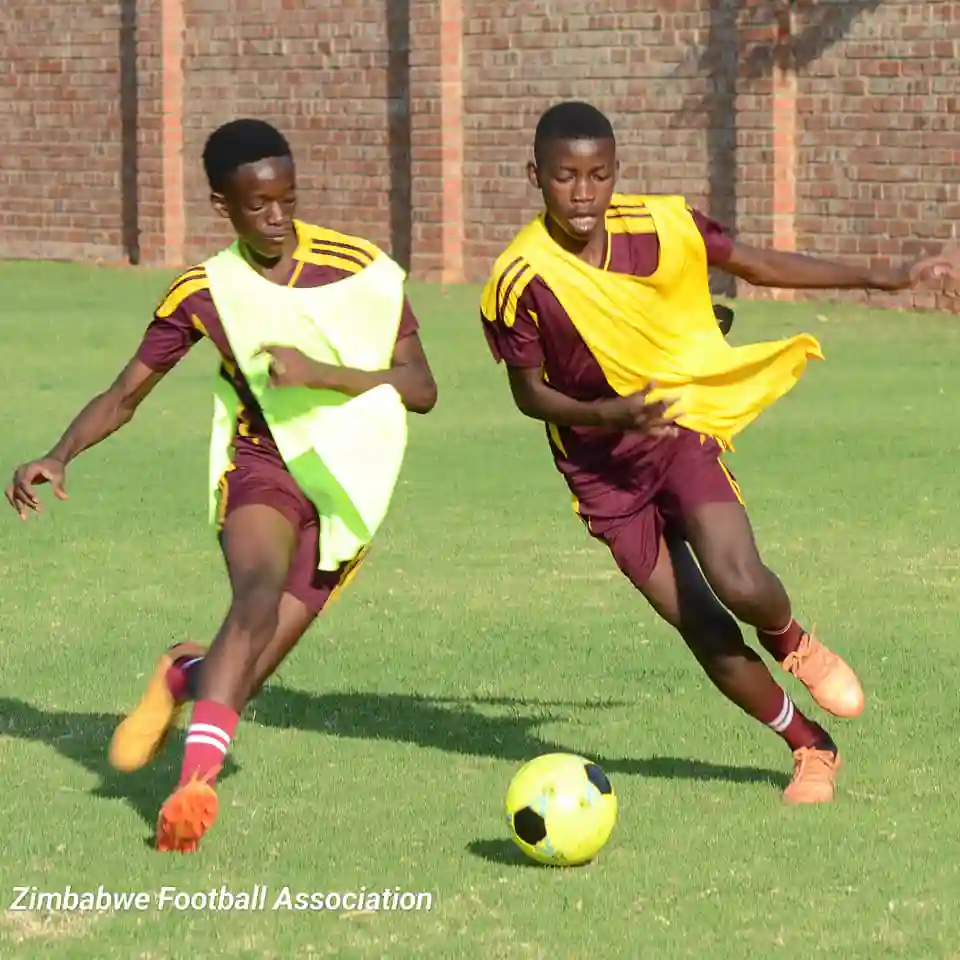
(485, 629)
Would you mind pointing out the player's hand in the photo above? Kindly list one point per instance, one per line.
(940, 272)
(20, 493)
(637, 412)
(290, 367)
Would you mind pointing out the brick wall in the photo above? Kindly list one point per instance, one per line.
(634, 62)
(412, 119)
(321, 77)
(878, 165)
(60, 126)
(667, 75)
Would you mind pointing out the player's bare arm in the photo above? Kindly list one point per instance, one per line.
(778, 268)
(102, 416)
(409, 374)
(538, 400)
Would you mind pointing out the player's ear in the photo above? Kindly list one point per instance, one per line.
(533, 175)
(219, 203)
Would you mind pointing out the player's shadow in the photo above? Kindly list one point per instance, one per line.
(458, 726)
(449, 724)
(84, 738)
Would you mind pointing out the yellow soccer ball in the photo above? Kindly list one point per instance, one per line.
(561, 809)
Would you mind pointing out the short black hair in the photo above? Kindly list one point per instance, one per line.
(570, 120)
(239, 142)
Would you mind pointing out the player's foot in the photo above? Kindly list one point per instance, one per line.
(831, 682)
(187, 814)
(814, 774)
(141, 735)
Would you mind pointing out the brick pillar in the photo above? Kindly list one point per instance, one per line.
(171, 132)
(436, 121)
(451, 132)
(784, 139)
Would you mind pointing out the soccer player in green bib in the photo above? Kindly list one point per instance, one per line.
(320, 360)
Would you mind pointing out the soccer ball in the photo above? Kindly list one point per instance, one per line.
(561, 809)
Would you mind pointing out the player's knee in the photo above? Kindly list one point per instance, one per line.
(254, 610)
(743, 586)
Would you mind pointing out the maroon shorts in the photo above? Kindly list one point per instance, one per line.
(245, 484)
(695, 475)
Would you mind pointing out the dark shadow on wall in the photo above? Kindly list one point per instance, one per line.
(129, 155)
(719, 62)
(398, 130)
(822, 25)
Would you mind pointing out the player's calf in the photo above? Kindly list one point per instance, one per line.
(295, 618)
(228, 669)
(742, 677)
(229, 666)
(755, 595)
(740, 674)
(677, 590)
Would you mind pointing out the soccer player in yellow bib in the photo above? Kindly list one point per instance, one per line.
(279, 271)
(600, 309)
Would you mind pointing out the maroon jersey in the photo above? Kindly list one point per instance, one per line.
(187, 314)
(610, 474)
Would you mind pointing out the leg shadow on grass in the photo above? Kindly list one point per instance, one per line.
(452, 725)
(84, 738)
(458, 726)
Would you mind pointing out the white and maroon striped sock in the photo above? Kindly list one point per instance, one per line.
(211, 729)
(794, 727)
(783, 718)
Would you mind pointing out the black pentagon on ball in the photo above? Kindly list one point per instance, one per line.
(529, 826)
(598, 778)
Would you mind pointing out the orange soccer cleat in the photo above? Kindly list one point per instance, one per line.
(141, 735)
(186, 815)
(831, 682)
(814, 776)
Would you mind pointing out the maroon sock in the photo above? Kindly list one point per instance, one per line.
(781, 643)
(211, 729)
(785, 719)
(181, 677)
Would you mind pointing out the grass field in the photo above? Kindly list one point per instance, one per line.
(485, 629)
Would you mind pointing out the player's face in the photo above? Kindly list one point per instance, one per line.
(577, 180)
(260, 201)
